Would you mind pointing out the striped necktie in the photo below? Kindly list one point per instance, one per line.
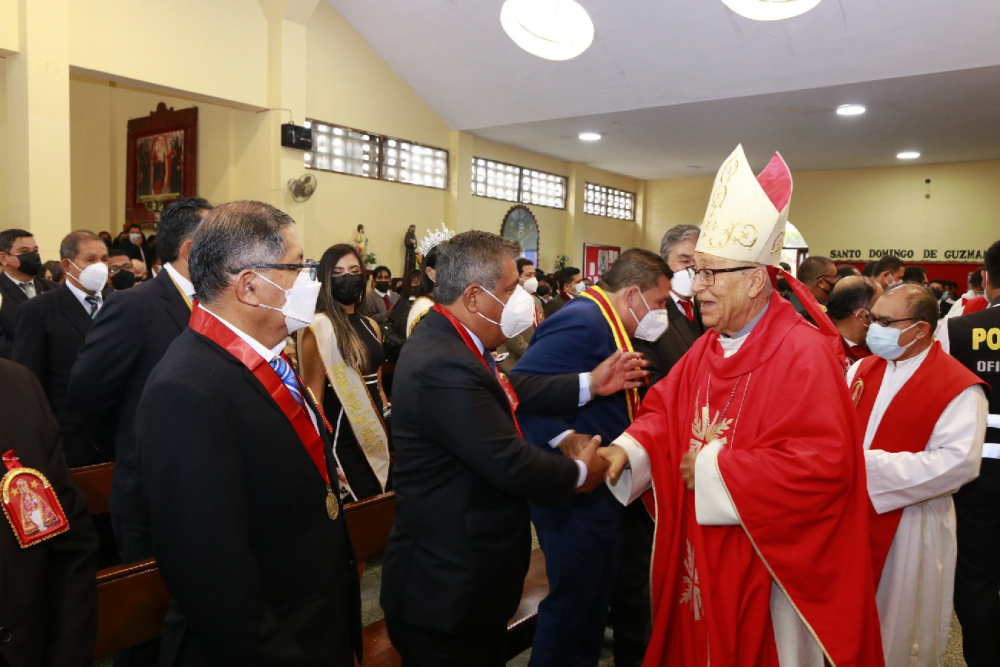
(94, 303)
(287, 376)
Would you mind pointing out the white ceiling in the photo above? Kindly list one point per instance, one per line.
(685, 80)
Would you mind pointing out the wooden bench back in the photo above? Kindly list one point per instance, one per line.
(95, 482)
(132, 602)
(369, 522)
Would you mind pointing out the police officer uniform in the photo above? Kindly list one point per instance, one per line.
(974, 340)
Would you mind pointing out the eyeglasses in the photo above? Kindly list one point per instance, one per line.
(117, 269)
(885, 321)
(830, 280)
(310, 265)
(708, 275)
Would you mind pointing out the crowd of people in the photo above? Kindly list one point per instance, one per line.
(726, 463)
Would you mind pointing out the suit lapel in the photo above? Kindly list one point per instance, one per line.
(74, 312)
(679, 321)
(12, 291)
(176, 306)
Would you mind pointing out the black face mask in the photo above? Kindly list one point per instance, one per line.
(347, 289)
(31, 263)
(543, 290)
(123, 279)
(938, 294)
(382, 285)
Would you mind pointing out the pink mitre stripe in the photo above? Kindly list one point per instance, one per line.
(776, 181)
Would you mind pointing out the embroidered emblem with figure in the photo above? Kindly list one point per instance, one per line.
(30, 504)
(856, 391)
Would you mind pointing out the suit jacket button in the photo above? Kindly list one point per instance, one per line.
(5, 635)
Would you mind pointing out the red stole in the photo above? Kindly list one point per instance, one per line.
(212, 328)
(855, 353)
(508, 388)
(907, 424)
(819, 316)
(794, 470)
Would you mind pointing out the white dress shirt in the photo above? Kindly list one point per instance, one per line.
(182, 282)
(81, 296)
(580, 464)
(28, 287)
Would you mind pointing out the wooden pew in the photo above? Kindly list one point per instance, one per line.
(132, 602)
(95, 482)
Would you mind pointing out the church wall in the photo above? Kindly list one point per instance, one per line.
(860, 214)
(4, 158)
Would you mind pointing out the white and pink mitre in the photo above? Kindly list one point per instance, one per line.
(746, 216)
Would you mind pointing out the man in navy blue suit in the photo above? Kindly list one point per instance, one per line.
(579, 537)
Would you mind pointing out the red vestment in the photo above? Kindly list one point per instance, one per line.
(793, 466)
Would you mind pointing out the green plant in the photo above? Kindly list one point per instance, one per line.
(370, 258)
(561, 262)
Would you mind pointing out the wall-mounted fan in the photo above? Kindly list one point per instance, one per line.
(303, 187)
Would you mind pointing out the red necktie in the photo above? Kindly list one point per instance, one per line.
(688, 310)
(388, 304)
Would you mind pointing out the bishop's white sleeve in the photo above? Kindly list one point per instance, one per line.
(635, 479)
(712, 504)
(951, 459)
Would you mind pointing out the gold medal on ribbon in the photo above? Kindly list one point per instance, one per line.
(332, 505)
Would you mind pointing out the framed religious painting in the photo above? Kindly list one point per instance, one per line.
(520, 225)
(597, 259)
(161, 164)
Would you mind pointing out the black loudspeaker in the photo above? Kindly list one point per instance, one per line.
(293, 136)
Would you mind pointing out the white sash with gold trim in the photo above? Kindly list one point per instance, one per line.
(346, 380)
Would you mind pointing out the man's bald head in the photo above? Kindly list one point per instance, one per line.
(918, 302)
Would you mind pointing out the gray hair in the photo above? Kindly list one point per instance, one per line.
(70, 246)
(471, 258)
(675, 235)
(231, 237)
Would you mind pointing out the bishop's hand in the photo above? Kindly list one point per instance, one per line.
(618, 372)
(687, 468)
(617, 459)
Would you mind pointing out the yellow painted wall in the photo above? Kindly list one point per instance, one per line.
(100, 112)
(216, 48)
(9, 38)
(347, 83)
(864, 209)
(597, 229)
(5, 221)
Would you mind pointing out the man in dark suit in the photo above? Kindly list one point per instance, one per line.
(134, 245)
(456, 559)
(48, 595)
(380, 299)
(235, 463)
(579, 536)
(22, 279)
(128, 339)
(569, 282)
(50, 331)
(630, 598)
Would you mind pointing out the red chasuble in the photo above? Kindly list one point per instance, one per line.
(907, 424)
(974, 305)
(793, 465)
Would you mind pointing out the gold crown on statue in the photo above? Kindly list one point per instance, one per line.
(746, 216)
(433, 238)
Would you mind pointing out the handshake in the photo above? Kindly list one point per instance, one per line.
(604, 464)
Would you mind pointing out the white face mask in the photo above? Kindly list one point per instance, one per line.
(580, 288)
(300, 301)
(94, 277)
(653, 324)
(682, 284)
(518, 312)
(135, 238)
(531, 285)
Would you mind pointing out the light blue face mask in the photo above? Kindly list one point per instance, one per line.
(884, 341)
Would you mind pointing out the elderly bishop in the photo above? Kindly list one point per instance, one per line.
(754, 454)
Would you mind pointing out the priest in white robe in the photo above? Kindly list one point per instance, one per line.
(924, 416)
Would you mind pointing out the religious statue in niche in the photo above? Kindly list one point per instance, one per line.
(162, 162)
(410, 246)
(520, 225)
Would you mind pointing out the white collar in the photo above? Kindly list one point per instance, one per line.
(475, 339)
(29, 281)
(679, 299)
(381, 294)
(181, 281)
(267, 354)
(912, 361)
(81, 296)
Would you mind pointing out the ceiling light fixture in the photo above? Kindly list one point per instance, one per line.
(550, 29)
(850, 110)
(770, 10)
(589, 136)
(908, 155)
